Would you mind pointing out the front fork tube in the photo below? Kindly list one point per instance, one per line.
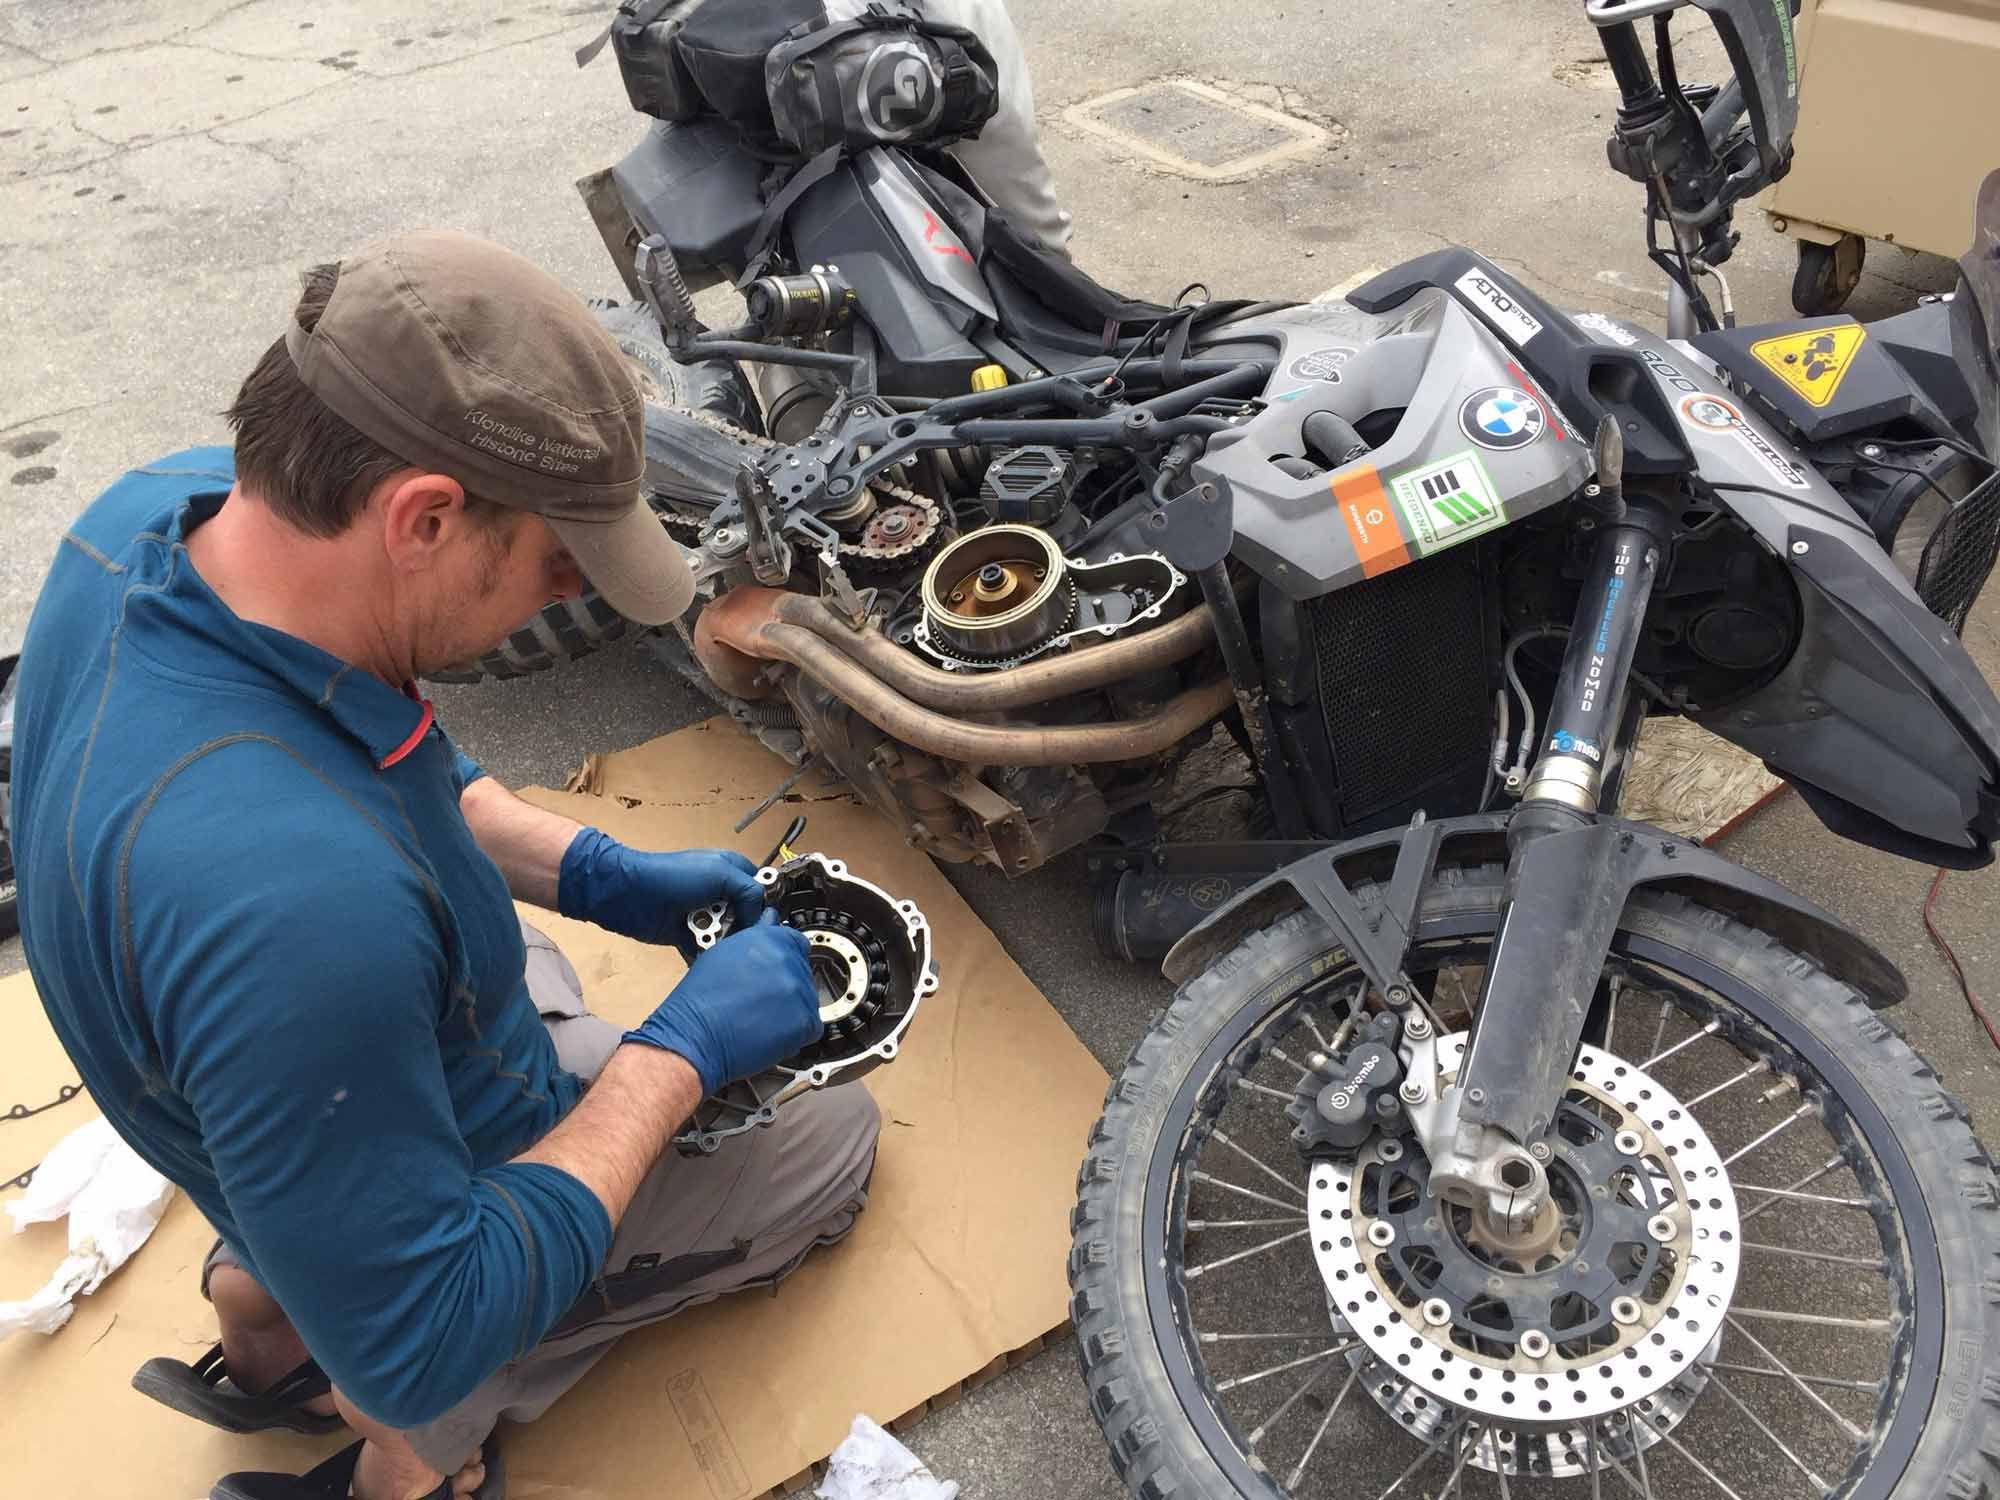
(1485, 1137)
(1586, 714)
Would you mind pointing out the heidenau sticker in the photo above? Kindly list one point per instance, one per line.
(1813, 361)
(1448, 502)
(1599, 324)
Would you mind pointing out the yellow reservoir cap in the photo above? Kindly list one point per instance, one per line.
(988, 378)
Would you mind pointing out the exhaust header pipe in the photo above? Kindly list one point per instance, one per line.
(736, 636)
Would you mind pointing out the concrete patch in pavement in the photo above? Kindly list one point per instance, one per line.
(1194, 129)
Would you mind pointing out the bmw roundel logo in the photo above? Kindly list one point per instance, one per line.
(1501, 417)
(901, 94)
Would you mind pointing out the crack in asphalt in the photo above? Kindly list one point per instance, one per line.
(27, 51)
(50, 416)
(258, 148)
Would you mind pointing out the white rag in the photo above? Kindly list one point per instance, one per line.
(871, 1465)
(113, 1200)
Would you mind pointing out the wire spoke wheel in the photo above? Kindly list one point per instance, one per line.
(1759, 1275)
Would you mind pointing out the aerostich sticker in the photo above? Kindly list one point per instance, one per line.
(1501, 417)
(1713, 414)
(1499, 309)
(1448, 502)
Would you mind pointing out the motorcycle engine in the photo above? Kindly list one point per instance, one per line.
(977, 560)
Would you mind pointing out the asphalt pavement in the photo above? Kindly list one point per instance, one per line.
(168, 166)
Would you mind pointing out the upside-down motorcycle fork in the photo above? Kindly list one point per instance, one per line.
(1562, 903)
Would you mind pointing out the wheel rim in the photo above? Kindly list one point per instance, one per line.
(1789, 1383)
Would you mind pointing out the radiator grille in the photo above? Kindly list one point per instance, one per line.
(1403, 670)
(1960, 554)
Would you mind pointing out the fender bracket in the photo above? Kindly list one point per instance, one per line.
(1633, 855)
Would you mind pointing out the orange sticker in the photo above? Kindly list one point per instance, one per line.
(1371, 520)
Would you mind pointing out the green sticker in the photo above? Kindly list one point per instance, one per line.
(1782, 9)
(1448, 502)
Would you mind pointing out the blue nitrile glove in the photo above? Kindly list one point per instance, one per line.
(640, 894)
(745, 1004)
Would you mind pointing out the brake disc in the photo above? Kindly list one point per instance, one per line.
(1612, 1303)
(872, 966)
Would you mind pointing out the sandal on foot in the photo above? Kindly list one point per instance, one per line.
(334, 1479)
(204, 1390)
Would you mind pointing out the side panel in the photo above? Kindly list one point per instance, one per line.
(696, 185)
(1881, 718)
(1478, 444)
(940, 256)
(925, 336)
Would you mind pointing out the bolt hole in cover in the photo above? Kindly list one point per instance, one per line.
(871, 963)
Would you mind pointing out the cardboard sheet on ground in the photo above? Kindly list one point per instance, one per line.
(957, 1263)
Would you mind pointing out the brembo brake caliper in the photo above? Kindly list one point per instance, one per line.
(1346, 1098)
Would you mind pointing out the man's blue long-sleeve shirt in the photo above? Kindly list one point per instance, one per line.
(287, 974)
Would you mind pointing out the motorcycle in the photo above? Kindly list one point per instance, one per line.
(1001, 547)
(1480, 1149)
(1523, 1152)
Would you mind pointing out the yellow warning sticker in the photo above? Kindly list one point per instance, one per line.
(1812, 361)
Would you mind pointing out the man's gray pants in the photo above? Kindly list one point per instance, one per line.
(698, 1226)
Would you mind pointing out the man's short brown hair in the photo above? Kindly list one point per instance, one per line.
(292, 451)
(300, 457)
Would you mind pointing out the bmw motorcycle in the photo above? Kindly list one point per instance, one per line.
(1493, 1143)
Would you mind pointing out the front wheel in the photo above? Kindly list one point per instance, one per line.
(1769, 1269)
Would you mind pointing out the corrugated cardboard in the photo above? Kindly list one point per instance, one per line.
(957, 1264)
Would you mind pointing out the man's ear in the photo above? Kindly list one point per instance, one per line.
(420, 514)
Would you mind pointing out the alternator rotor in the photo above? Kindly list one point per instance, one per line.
(997, 593)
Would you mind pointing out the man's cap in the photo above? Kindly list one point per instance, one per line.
(465, 359)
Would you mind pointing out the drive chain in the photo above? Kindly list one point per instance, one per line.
(863, 560)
